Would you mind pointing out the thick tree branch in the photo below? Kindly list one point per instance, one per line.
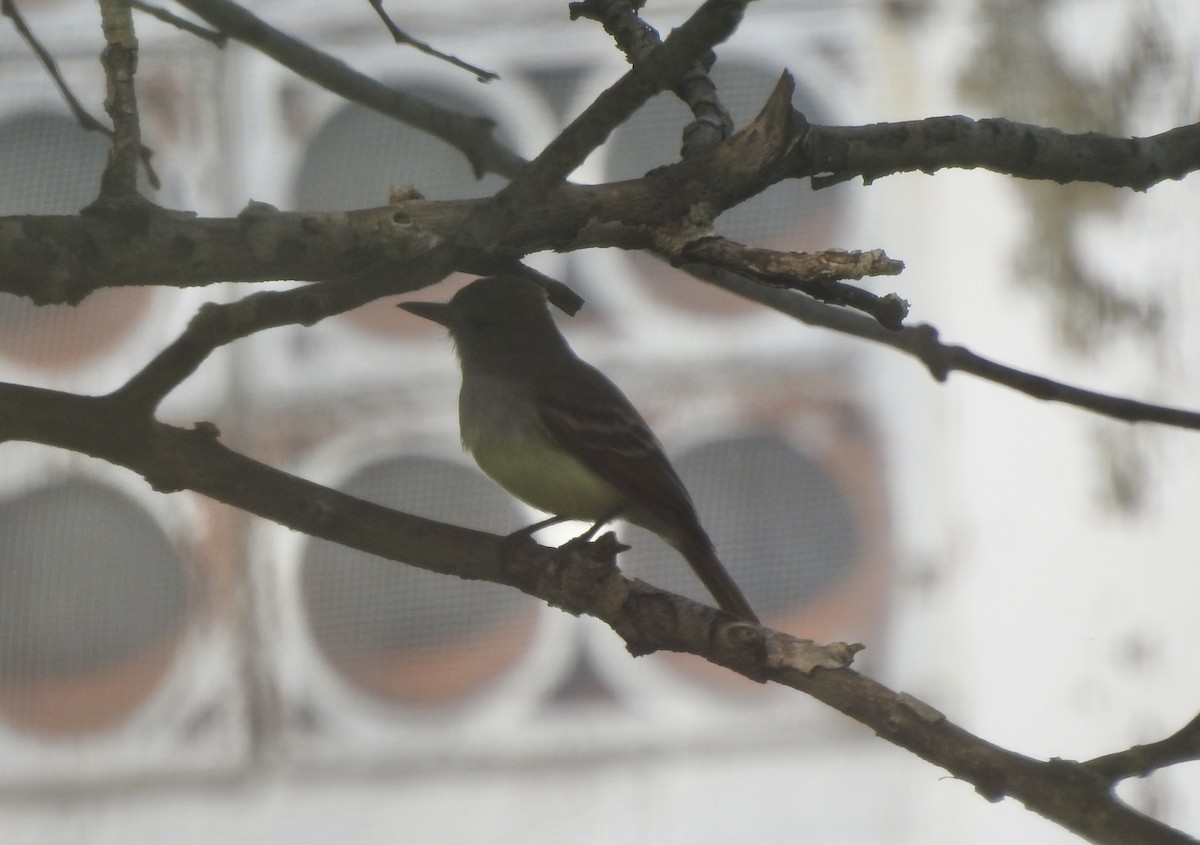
(472, 136)
(358, 256)
(56, 259)
(832, 154)
(62, 259)
(580, 581)
(50, 263)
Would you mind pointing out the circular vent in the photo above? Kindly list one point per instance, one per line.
(49, 165)
(405, 634)
(93, 600)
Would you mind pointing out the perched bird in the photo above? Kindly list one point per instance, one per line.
(552, 430)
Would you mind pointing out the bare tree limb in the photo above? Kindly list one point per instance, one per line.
(581, 581)
(637, 40)
(62, 259)
(402, 37)
(814, 274)
(118, 184)
(472, 136)
(216, 325)
(833, 154)
(362, 255)
(941, 359)
(216, 38)
(41, 261)
(1140, 760)
(45, 257)
(711, 24)
(84, 118)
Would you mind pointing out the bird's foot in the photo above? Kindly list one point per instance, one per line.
(523, 536)
(587, 536)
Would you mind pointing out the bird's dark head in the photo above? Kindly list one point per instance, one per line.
(499, 314)
(496, 296)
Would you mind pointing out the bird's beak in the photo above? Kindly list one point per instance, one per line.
(438, 312)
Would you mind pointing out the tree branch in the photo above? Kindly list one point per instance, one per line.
(711, 24)
(941, 359)
(62, 259)
(118, 184)
(216, 38)
(833, 154)
(814, 274)
(638, 40)
(1140, 760)
(359, 256)
(581, 581)
(216, 325)
(402, 37)
(84, 118)
(472, 136)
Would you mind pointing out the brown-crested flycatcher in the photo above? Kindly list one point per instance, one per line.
(552, 430)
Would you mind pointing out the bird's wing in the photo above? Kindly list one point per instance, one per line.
(598, 425)
(603, 431)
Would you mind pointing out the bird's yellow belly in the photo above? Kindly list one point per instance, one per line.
(548, 479)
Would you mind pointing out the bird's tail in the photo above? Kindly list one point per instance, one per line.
(700, 555)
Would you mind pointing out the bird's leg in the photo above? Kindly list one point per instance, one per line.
(529, 531)
(523, 535)
(587, 536)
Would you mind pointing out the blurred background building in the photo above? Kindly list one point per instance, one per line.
(170, 668)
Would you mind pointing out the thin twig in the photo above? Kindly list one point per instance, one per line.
(817, 274)
(1140, 760)
(9, 9)
(119, 58)
(215, 325)
(637, 40)
(711, 24)
(402, 37)
(941, 359)
(471, 135)
(217, 38)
